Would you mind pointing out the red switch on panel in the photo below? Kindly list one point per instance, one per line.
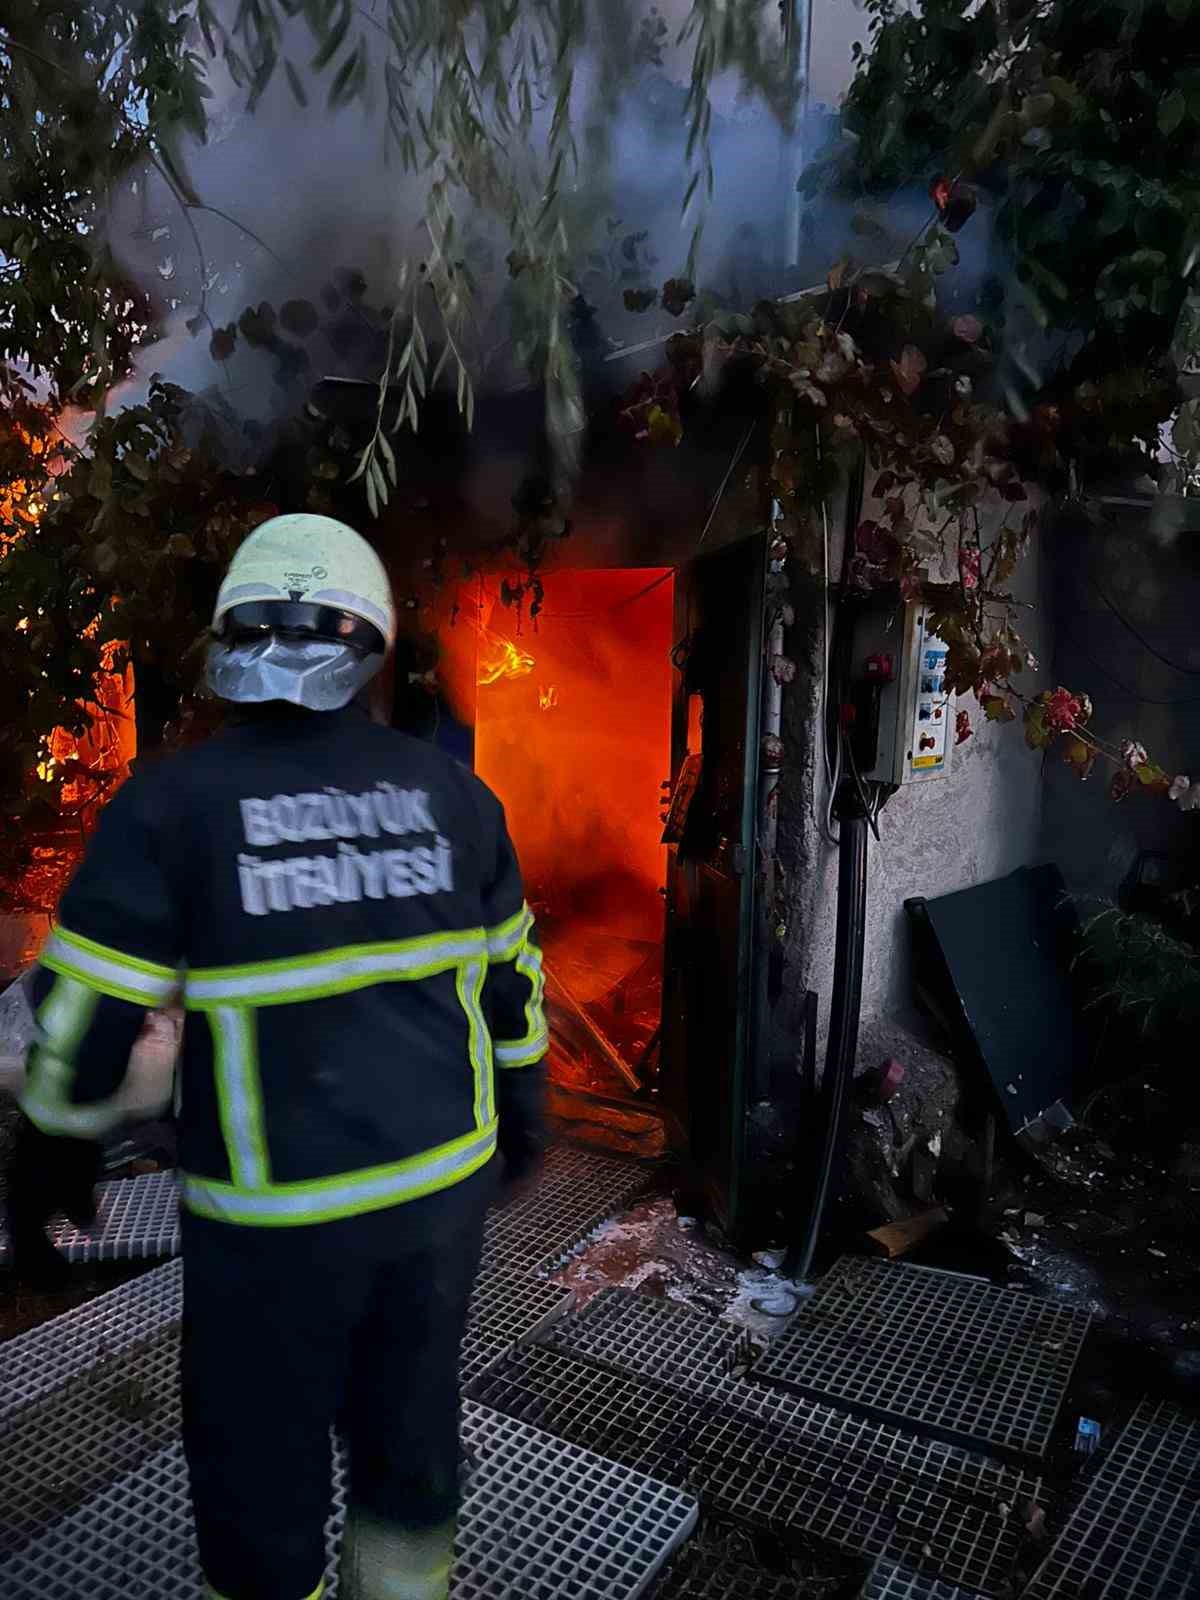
(881, 668)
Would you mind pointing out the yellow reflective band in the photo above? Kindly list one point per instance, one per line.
(108, 971)
(327, 972)
(526, 1052)
(209, 1593)
(350, 1194)
(522, 1052)
(382, 1561)
(508, 939)
(469, 986)
(63, 1018)
(239, 1095)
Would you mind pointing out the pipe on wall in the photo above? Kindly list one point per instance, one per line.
(842, 1048)
(766, 840)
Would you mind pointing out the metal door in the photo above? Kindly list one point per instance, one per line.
(706, 1058)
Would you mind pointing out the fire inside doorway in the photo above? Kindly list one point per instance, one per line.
(571, 713)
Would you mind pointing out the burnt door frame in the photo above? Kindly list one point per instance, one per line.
(708, 1065)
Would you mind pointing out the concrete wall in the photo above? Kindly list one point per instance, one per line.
(981, 821)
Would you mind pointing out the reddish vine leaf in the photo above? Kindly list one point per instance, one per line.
(962, 658)
(223, 343)
(299, 317)
(1123, 784)
(677, 295)
(837, 274)
(909, 370)
(1038, 733)
(968, 329)
(962, 728)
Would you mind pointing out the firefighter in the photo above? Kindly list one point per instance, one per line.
(341, 909)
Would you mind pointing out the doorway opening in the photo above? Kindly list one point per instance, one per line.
(571, 713)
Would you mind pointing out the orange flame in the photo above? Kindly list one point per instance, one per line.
(504, 660)
(547, 698)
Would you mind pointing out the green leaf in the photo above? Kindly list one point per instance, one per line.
(1151, 776)
(299, 93)
(389, 457)
(1079, 756)
(346, 81)
(334, 39)
(998, 708)
(1171, 113)
(1038, 733)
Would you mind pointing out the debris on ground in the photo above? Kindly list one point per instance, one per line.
(654, 1250)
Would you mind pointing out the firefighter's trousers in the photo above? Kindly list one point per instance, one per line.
(289, 1332)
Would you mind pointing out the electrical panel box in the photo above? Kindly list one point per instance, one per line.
(904, 717)
(926, 710)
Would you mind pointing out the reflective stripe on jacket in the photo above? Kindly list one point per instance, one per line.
(341, 908)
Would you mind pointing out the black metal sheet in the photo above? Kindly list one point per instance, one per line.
(996, 960)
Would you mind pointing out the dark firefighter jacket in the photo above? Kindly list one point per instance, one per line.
(341, 909)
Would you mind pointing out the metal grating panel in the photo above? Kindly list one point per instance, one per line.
(676, 1346)
(505, 1310)
(959, 1358)
(889, 1582)
(37, 1363)
(546, 1520)
(845, 1479)
(134, 1540)
(1135, 1533)
(790, 1483)
(543, 1521)
(627, 1332)
(98, 1427)
(579, 1190)
(637, 1424)
(138, 1221)
(701, 1574)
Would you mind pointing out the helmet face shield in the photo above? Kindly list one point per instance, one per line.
(304, 670)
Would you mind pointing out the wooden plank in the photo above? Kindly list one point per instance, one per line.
(898, 1238)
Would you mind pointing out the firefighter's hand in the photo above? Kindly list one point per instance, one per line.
(47, 1175)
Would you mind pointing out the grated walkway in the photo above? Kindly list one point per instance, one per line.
(138, 1221)
(953, 1357)
(92, 1478)
(1135, 1533)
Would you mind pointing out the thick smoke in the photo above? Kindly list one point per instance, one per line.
(293, 194)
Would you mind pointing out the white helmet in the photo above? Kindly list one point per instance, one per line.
(305, 614)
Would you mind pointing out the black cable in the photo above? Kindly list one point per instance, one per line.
(871, 812)
(1190, 672)
(1134, 694)
(842, 1048)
